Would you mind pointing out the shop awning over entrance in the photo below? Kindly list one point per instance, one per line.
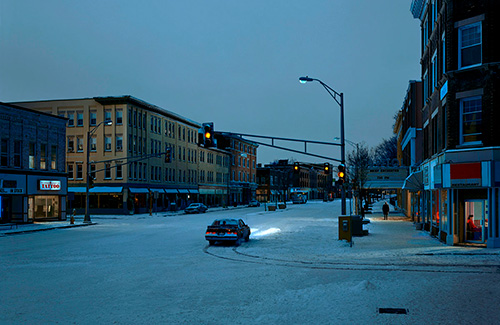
(138, 190)
(170, 190)
(183, 191)
(414, 182)
(106, 189)
(194, 192)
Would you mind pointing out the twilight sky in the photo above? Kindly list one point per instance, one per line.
(232, 62)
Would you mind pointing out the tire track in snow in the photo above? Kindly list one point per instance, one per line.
(237, 256)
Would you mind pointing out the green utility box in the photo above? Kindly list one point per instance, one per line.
(345, 228)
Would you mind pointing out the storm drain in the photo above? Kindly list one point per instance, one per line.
(399, 311)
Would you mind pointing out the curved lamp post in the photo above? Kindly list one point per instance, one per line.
(339, 98)
(86, 219)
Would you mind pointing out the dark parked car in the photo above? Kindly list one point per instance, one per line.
(196, 208)
(227, 230)
(254, 203)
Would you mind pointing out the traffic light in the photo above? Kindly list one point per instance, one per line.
(91, 181)
(326, 168)
(296, 167)
(168, 155)
(341, 173)
(208, 135)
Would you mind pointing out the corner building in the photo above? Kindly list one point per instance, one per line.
(460, 116)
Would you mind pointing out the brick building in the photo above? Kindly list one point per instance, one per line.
(461, 110)
(33, 182)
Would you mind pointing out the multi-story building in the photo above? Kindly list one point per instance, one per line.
(213, 178)
(284, 179)
(33, 182)
(127, 157)
(461, 145)
(243, 167)
(408, 128)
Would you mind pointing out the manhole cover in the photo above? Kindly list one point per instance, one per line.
(400, 311)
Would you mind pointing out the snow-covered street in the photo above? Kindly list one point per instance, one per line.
(294, 270)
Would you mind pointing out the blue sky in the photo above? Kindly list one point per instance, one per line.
(235, 63)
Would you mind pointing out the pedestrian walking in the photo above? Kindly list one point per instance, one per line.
(385, 210)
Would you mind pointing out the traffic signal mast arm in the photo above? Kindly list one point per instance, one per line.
(272, 145)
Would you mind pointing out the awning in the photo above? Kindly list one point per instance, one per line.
(170, 190)
(106, 189)
(384, 184)
(194, 192)
(138, 190)
(77, 189)
(414, 182)
(159, 190)
(183, 191)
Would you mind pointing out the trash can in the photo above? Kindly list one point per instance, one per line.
(357, 226)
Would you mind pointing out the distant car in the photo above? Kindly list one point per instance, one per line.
(196, 208)
(231, 230)
(254, 203)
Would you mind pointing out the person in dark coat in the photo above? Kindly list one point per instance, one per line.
(385, 210)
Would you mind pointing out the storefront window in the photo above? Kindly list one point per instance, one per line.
(444, 210)
(435, 207)
(46, 207)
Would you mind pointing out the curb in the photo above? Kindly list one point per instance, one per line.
(45, 229)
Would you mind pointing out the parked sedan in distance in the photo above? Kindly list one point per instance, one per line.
(231, 230)
(254, 203)
(196, 208)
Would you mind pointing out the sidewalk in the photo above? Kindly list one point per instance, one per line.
(50, 225)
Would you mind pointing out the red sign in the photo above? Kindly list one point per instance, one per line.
(465, 171)
(50, 185)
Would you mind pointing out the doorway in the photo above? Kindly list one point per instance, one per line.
(476, 221)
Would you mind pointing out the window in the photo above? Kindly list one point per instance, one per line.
(93, 118)
(119, 170)
(53, 157)
(434, 70)
(79, 171)
(107, 171)
(93, 144)
(71, 119)
(93, 171)
(443, 52)
(43, 156)
(79, 144)
(471, 120)
(119, 143)
(79, 119)
(32, 147)
(129, 117)
(17, 153)
(119, 117)
(425, 86)
(469, 45)
(107, 115)
(70, 171)
(71, 144)
(107, 143)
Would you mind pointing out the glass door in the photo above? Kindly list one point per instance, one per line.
(476, 221)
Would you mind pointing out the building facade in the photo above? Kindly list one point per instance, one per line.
(127, 158)
(243, 167)
(408, 128)
(461, 109)
(33, 182)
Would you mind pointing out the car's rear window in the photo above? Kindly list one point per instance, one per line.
(229, 222)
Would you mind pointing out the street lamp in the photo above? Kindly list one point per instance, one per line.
(86, 219)
(339, 98)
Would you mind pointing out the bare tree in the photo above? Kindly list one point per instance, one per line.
(358, 164)
(385, 153)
